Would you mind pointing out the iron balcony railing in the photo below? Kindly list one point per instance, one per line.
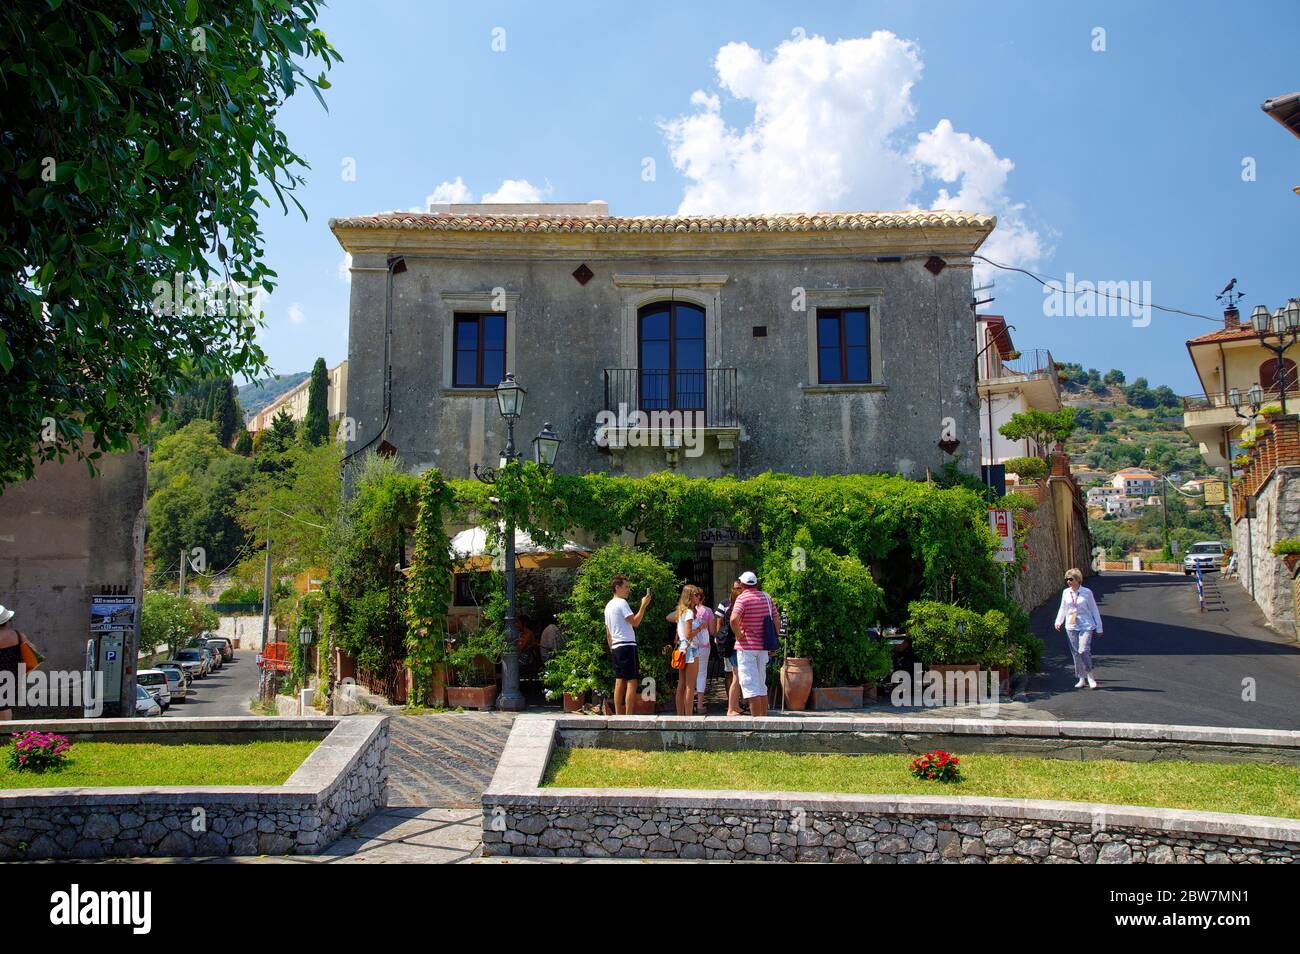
(710, 392)
(1208, 402)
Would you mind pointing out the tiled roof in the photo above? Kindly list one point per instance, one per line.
(785, 222)
(1223, 334)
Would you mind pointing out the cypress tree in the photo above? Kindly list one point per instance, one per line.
(316, 424)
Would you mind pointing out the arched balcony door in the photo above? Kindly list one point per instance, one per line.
(1271, 375)
(670, 350)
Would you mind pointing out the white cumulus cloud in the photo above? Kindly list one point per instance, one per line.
(345, 265)
(296, 314)
(831, 128)
(449, 192)
(515, 190)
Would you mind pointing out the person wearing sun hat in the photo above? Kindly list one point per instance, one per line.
(11, 654)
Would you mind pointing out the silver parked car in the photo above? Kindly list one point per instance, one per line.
(145, 704)
(176, 682)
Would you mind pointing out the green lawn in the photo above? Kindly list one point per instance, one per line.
(1248, 789)
(137, 763)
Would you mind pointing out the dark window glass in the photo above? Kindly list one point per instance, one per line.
(672, 356)
(479, 356)
(843, 346)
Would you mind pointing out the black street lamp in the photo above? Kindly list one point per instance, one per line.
(510, 402)
(1277, 333)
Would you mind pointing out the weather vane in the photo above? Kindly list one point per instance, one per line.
(1229, 292)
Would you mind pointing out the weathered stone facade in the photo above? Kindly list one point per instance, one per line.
(340, 784)
(761, 282)
(1277, 516)
(860, 837)
(1059, 538)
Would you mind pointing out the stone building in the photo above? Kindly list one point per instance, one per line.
(808, 344)
(818, 343)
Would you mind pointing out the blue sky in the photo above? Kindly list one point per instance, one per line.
(1124, 164)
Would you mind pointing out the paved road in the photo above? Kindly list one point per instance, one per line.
(222, 693)
(1161, 660)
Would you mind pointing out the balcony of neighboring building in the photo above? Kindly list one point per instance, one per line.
(1212, 421)
(1032, 373)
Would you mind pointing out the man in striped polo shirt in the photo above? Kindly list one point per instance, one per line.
(752, 607)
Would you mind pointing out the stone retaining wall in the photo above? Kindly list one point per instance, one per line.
(521, 818)
(342, 782)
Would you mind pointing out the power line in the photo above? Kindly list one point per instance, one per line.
(299, 519)
(1044, 282)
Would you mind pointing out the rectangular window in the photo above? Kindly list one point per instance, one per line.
(843, 346)
(478, 350)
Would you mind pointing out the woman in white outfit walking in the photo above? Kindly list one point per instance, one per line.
(1082, 621)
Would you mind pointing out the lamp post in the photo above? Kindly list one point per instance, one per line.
(510, 402)
(1277, 333)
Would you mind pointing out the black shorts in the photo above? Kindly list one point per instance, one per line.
(626, 664)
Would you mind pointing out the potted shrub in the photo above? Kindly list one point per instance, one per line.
(828, 601)
(474, 660)
(953, 639)
(1288, 549)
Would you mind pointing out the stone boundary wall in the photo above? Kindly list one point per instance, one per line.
(520, 818)
(342, 782)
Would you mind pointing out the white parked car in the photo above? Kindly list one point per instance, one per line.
(1208, 554)
(156, 684)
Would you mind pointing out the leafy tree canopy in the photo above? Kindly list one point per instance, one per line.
(139, 143)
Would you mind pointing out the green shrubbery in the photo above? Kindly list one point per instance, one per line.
(1029, 468)
(943, 634)
(830, 602)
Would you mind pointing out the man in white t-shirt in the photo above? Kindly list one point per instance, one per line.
(620, 633)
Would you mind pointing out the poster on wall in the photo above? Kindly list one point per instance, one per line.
(1001, 525)
(1214, 493)
(109, 613)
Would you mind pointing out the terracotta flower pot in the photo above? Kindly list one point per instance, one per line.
(796, 682)
(644, 706)
(1291, 560)
(574, 703)
(837, 697)
(471, 697)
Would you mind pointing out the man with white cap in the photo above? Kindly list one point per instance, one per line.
(11, 656)
(751, 608)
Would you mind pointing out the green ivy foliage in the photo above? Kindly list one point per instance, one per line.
(917, 538)
(830, 602)
(429, 586)
(366, 592)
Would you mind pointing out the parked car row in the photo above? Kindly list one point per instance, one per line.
(173, 680)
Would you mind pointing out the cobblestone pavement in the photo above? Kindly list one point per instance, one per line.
(445, 760)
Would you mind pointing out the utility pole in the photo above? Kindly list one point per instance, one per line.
(266, 684)
(182, 589)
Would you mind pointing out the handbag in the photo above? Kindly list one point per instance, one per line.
(30, 657)
(679, 659)
(771, 641)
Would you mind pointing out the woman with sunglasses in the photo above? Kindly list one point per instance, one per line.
(1082, 621)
